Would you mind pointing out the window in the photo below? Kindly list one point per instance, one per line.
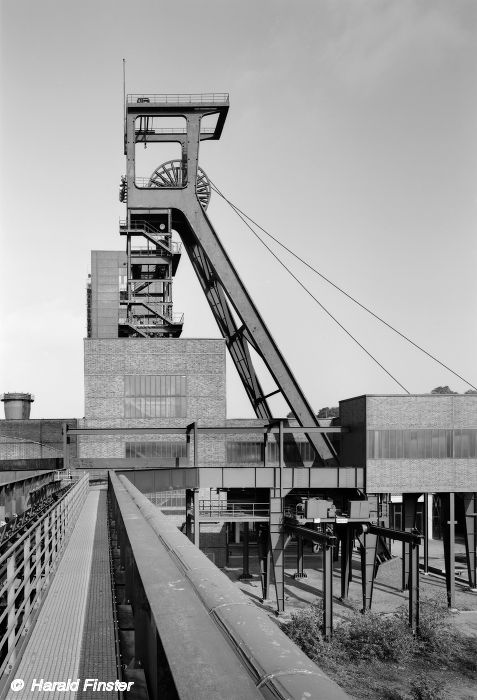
(422, 444)
(157, 450)
(293, 452)
(157, 396)
(244, 452)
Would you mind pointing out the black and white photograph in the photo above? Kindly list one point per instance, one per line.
(238, 342)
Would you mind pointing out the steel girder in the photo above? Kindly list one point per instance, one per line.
(221, 282)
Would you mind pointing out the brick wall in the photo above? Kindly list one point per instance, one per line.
(394, 412)
(108, 361)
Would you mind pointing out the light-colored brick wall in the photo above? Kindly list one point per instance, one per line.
(108, 361)
(421, 475)
(417, 412)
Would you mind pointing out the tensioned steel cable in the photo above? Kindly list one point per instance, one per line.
(241, 213)
(242, 217)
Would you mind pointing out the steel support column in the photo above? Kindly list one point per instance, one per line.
(327, 590)
(426, 533)
(449, 522)
(189, 512)
(195, 507)
(277, 542)
(264, 559)
(300, 573)
(346, 539)
(245, 575)
(414, 587)
(369, 543)
(470, 528)
(409, 514)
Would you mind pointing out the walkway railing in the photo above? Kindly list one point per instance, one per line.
(223, 509)
(26, 567)
(197, 98)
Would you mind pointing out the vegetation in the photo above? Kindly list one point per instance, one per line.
(376, 656)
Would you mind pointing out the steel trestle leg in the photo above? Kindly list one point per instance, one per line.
(470, 507)
(327, 591)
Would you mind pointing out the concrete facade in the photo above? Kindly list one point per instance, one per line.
(425, 417)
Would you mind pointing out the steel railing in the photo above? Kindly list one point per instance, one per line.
(27, 566)
(144, 182)
(234, 510)
(147, 250)
(196, 98)
(175, 130)
(140, 224)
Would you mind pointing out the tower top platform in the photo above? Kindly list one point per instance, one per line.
(203, 99)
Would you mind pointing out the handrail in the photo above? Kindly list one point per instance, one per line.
(144, 182)
(26, 567)
(174, 247)
(175, 130)
(262, 653)
(142, 224)
(222, 508)
(195, 98)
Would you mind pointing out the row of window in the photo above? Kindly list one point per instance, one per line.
(155, 385)
(159, 450)
(166, 407)
(422, 444)
(293, 452)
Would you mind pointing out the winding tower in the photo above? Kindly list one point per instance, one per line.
(175, 198)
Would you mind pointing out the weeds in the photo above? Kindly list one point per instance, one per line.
(374, 645)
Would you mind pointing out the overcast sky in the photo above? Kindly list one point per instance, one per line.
(351, 136)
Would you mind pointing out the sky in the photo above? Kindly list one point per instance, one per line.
(351, 137)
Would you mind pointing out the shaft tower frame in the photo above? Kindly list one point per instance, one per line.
(218, 277)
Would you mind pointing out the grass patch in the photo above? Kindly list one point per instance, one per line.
(376, 655)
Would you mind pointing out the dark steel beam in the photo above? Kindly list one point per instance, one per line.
(399, 535)
(294, 430)
(197, 231)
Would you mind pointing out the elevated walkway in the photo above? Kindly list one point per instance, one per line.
(73, 637)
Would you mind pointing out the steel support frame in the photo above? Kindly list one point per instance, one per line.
(368, 549)
(264, 558)
(409, 507)
(245, 575)
(448, 529)
(217, 276)
(413, 540)
(346, 534)
(470, 530)
(220, 282)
